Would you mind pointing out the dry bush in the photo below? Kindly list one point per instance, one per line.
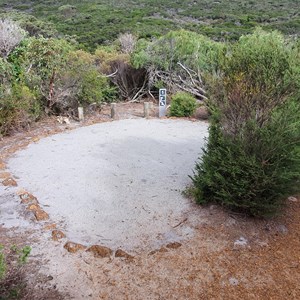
(11, 34)
(127, 42)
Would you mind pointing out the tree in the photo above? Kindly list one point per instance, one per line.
(180, 60)
(11, 34)
(252, 159)
(42, 61)
(130, 81)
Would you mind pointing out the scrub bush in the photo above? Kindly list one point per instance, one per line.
(18, 108)
(182, 105)
(252, 158)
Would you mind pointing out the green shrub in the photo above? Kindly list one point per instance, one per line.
(89, 84)
(18, 108)
(12, 279)
(2, 263)
(252, 158)
(94, 88)
(182, 105)
(256, 177)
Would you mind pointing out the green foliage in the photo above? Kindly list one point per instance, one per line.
(95, 88)
(12, 280)
(18, 108)
(67, 10)
(97, 22)
(34, 26)
(2, 263)
(22, 253)
(182, 105)
(191, 49)
(6, 72)
(91, 85)
(42, 62)
(47, 74)
(180, 60)
(44, 57)
(252, 158)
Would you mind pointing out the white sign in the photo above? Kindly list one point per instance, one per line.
(162, 102)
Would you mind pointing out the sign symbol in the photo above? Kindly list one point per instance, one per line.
(162, 92)
(162, 102)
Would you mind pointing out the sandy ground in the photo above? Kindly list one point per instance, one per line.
(221, 255)
(118, 184)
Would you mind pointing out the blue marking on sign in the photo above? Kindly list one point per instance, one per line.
(162, 92)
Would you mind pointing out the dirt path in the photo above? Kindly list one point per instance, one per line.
(228, 256)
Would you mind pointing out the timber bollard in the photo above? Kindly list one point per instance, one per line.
(113, 108)
(80, 113)
(146, 109)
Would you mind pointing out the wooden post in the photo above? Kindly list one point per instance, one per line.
(80, 113)
(146, 110)
(113, 111)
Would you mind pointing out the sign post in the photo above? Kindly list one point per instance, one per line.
(162, 102)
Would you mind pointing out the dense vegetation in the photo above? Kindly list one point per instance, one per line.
(69, 55)
(252, 158)
(182, 105)
(94, 22)
(47, 75)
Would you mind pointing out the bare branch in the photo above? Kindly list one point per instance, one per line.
(127, 41)
(11, 34)
(112, 74)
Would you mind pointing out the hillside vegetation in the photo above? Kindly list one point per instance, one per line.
(82, 54)
(95, 22)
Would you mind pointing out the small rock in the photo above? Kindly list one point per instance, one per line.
(49, 277)
(4, 175)
(282, 229)
(173, 245)
(74, 247)
(161, 250)
(35, 139)
(41, 215)
(50, 226)
(230, 222)
(9, 182)
(121, 253)
(233, 281)
(2, 165)
(28, 198)
(100, 251)
(293, 199)
(33, 207)
(57, 235)
(240, 243)
(262, 243)
(63, 120)
(268, 227)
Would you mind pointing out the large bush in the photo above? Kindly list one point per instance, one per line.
(180, 60)
(252, 158)
(182, 105)
(18, 108)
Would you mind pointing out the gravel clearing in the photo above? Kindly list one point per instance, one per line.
(117, 183)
